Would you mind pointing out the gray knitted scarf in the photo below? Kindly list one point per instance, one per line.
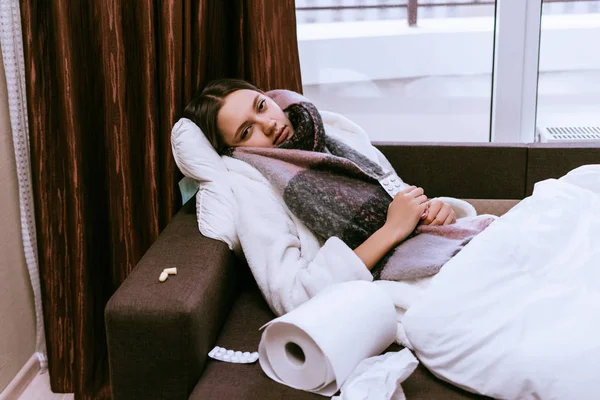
(334, 190)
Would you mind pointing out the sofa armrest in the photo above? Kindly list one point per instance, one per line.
(159, 334)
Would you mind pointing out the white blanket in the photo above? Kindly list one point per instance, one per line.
(516, 314)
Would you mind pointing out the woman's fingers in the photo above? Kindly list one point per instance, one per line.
(421, 199)
(450, 219)
(438, 213)
(416, 192)
(411, 192)
(441, 216)
(407, 190)
(432, 211)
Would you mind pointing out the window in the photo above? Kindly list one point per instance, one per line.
(453, 71)
(569, 71)
(403, 70)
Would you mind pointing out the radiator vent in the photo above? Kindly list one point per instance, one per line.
(573, 134)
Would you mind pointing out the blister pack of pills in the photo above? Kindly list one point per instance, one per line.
(222, 354)
(392, 184)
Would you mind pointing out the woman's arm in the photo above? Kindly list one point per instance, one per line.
(375, 247)
(402, 218)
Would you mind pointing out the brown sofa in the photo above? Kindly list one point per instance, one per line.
(159, 334)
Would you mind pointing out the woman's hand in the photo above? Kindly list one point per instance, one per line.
(439, 213)
(405, 212)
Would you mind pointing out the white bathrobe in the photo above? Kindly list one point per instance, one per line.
(290, 264)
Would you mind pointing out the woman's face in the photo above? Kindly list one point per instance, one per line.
(251, 119)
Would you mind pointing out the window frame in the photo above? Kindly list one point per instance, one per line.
(515, 71)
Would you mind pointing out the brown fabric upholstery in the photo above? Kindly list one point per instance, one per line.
(550, 161)
(495, 207)
(485, 171)
(468, 171)
(159, 334)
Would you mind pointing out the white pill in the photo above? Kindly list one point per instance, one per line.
(163, 276)
(246, 353)
(238, 353)
(171, 271)
(235, 359)
(227, 357)
(222, 351)
(230, 352)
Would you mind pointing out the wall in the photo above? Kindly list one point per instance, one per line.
(17, 324)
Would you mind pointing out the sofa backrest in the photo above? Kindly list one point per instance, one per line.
(484, 170)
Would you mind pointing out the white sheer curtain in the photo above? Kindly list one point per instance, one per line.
(12, 52)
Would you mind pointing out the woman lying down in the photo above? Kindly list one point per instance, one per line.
(332, 184)
(315, 209)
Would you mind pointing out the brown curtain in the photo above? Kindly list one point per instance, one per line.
(106, 80)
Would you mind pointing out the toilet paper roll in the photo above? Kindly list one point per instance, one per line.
(316, 346)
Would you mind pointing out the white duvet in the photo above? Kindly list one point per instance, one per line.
(516, 314)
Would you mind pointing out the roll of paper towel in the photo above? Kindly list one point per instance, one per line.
(316, 346)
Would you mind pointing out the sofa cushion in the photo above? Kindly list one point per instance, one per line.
(495, 207)
(222, 380)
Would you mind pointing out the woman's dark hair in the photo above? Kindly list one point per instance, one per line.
(205, 106)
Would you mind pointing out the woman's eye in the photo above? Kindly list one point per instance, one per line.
(245, 133)
(262, 105)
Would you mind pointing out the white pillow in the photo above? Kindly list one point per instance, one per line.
(215, 204)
